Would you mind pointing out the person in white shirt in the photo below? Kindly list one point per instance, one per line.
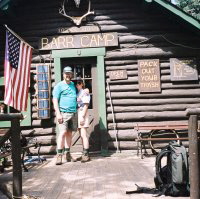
(83, 100)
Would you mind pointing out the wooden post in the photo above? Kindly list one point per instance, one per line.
(16, 158)
(16, 151)
(193, 155)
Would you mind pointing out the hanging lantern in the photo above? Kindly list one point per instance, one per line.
(77, 2)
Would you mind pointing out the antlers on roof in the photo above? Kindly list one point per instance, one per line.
(75, 20)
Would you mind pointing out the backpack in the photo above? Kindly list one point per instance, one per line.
(173, 178)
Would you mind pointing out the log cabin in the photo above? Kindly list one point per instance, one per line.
(139, 59)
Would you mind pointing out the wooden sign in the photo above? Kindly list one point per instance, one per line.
(118, 74)
(149, 75)
(81, 29)
(79, 41)
(183, 69)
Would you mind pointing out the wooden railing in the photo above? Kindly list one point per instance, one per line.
(16, 151)
(194, 147)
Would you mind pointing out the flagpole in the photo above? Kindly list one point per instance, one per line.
(17, 36)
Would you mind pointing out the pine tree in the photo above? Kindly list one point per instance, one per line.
(192, 7)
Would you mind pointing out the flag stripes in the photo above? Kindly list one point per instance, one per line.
(16, 77)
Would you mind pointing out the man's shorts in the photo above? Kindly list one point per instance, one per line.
(69, 122)
(80, 113)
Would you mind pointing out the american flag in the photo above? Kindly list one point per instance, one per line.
(18, 55)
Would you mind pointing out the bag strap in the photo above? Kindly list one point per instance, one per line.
(185, 166)
(159, 157)
(163, 191)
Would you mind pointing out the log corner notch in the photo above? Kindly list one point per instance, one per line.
(194, 162)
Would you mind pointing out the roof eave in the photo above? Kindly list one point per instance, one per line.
(178, 12)
(4, 4)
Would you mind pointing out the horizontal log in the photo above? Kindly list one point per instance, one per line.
(147, 116)
(136, 27)
(124, 125)
(122, 87)
(133, 87)
(134, 72)
(151, 52)
(120, 15)
(164, 78)
(131, 125)
(122, 134)
(124, 67)
(119, 62)
(156, 38)
(99, 8)
(134, 67)
(168, 107)
(45, 122)
(39, 131)
(153, 101)
(44, 150)
(111, 22)
(46, 140)
(165, 93)
(142, 45)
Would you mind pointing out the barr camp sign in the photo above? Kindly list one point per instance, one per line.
(149, 75)
(78, 41)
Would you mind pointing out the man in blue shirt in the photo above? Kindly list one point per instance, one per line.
(65, 105)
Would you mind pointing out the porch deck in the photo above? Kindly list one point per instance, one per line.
(102, 178)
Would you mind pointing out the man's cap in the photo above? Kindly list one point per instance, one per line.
(67, 69)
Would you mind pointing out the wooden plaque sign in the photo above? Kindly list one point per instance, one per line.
(79, 41)
(81, 29)
(149, 75)
(183, 69)
(118, 74)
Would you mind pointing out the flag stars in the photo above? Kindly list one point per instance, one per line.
(13, 48)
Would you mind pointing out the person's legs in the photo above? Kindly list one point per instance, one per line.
(68, 141)
(84, 137)
(61, 140)
(60, 146)
(85, 156)
(68, 138)
(63, 137)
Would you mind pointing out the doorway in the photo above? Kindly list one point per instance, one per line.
(85, 68)
(89, 65)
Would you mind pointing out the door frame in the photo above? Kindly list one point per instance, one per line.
(88, 52)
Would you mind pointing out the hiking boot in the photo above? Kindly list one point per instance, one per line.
(85, 158)
(59, 159)
(79, 158)
(69, 158)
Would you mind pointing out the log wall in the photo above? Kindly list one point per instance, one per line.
(143, 34)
